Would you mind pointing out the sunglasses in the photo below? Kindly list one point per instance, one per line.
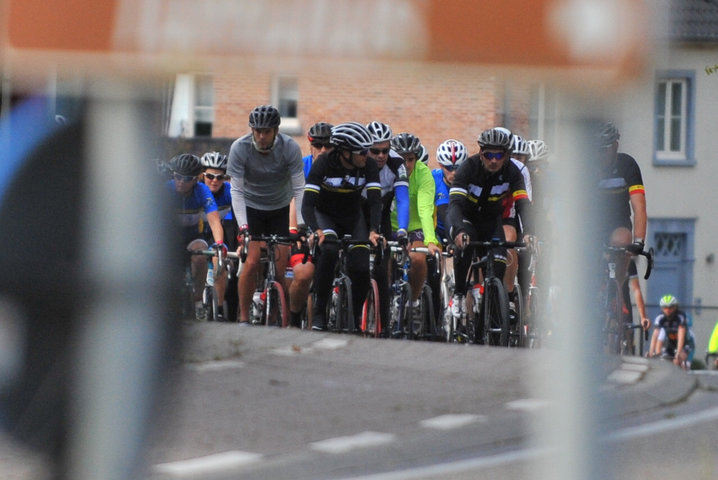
(379, 151)
(320, 145)
(493, 155)
(450, 168)
(183, 178)
(211, 176)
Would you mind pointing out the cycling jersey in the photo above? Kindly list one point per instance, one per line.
(223, 199)
(441, 201)
(265, 181)
(192, 209)
(670, 325)
(616, 187)
(307, 161)
(337, 191)
(477, 195)
(394, 183)
(421, 203)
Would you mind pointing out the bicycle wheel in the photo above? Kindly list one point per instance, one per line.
(340, 311)
(613, 326)
(517, 335)
(371, 319)
(400, 309)
(531, 322)
(275, 308)
(424, 324)
(210, 303)
(495, 313)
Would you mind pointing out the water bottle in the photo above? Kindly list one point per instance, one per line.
(210, 274)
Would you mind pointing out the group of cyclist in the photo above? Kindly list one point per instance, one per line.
(367, 182)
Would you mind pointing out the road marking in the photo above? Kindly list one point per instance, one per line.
(349, 443)
(661, 426)
(202, 466)
(451, 421)
(624, 377)
(323, 344)
(215, 366)
(528, 404)
(330, 343)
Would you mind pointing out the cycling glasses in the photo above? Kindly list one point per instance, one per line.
(183, 178)
(320, 145)
(379, 151)
(450, 168)
(211, 176)
(493, 155)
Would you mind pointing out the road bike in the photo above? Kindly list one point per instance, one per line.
(488, 321)
(531, 327)
(269, 302)
(371, 321)
(618, 331)
(210, 299)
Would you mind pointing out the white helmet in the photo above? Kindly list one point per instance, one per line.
(520, 146)
(214, 160)
(380, 132)
(451, 153)
(539, 151)
(424, 155)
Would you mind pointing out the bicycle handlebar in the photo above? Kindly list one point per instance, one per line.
(645, 253)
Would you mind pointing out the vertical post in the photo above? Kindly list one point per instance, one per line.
(123, 329)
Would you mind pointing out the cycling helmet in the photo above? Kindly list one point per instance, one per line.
(520, 146)
(380, 132)
(607, 135)
(424, 155)
(264, 116)
(451, 153)
(320, 132)
(352, 137)
(406, 143)
(495, 138)
(668, 301)
(186, 164)
(539, 151)
(214, 160)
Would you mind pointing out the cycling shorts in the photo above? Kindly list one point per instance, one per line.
(268, 222)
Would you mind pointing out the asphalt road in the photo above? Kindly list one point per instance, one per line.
(251, 402)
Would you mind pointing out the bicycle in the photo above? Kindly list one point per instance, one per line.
(531, 333)
(269, 303)
(489, 321)
(371, 312)
(210, 300)
(618, 333)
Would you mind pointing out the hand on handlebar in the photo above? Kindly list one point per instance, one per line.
(636, 247)
(374, 238)
(220, 246)
(461, 240)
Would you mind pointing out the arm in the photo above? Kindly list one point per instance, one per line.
(298, 188)
(216, 226)
(425, 207)
(638, 205)
(640, 305)
(401, 194)
(678, 358)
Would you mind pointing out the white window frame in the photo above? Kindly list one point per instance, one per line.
(184, 109)
(280, 93)
(663, 154)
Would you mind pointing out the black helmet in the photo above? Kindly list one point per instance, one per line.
(406, 143)
(264, 116)
(186, 164)
(498, 137)
(351, 136)
(320, 132)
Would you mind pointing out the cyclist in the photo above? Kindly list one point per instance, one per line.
(332, 208)
(671, 333)
(476, 203)
(421, 210)
(450, 155)
(394, 181)
(195, 206)
(512, 225)
(303, 270)
(266, 173)
(622, 190)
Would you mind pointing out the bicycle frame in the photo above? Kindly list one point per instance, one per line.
(274, 310)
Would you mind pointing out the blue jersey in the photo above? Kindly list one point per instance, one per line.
(307, 164)
(223, 199)
(192, 209)
(441, 197)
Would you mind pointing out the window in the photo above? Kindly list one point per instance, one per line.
(674, 119)
(192, 106)
(285, 94)
(542, 113)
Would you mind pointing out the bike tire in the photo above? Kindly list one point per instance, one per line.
(613, 326)
(340, 308)
(429, 328)
(446, 318)
(495, 313)
(517, 334)
(371, 318)
(276, 312)
(210, 303)
(532, 319)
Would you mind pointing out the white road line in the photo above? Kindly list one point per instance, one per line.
(215, 366)
(323, 344)
(661, 426)
(451, 421)
(202, 466)
(349, 443)
(330, 343)
(528, 404)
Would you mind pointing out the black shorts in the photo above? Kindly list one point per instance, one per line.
(268, 222)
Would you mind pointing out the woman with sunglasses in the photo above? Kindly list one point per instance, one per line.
(476, 198)
(214, 175)
(450, 155)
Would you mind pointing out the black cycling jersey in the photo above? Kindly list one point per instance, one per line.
(616, 187)
(477, 195)
(337, 191)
